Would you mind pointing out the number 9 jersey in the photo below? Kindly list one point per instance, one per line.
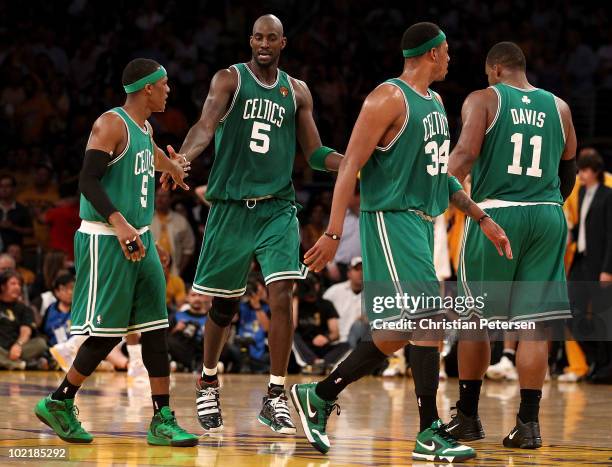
(255, 141)
(520, 157)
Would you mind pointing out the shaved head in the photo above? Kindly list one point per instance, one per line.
(270, 21)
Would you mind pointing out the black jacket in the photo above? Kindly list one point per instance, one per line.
(598, 254)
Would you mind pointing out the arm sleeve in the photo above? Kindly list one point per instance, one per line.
(94, 168)
(567, 175)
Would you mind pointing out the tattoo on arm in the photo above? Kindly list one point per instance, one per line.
(462, 201)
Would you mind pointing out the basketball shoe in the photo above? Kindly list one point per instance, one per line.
(165, 431)
(504, 369)
(208, 406)
(275, 412)
(313, 412)
(437, 444)
(524, 436)
(463, 427)
(61, 417)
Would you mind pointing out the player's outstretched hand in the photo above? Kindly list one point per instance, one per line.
(497, 236)
(321, 253)
(180, 169)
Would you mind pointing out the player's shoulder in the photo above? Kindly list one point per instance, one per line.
(483, 95)
(109, 122)
(298, 84)
(226, 77)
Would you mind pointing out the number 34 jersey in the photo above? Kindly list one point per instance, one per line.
(411, 171)
(129, 180)
(519, 160)
(255, 141)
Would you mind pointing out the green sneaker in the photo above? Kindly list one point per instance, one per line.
(437, 444)
(165, 431)
(61, 417)
(314, 413)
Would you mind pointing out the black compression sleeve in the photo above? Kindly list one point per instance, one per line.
(94, 168)
(567, 175)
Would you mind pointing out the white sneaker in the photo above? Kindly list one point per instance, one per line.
(569, 377)
(137, 370)
(64, 354)
(395, 368)
(504, 369)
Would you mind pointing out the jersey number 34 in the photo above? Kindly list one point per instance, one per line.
(439, 157)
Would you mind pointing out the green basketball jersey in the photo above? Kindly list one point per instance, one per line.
(519, 160)
(129, 180)
(411, 171)
(255, 141)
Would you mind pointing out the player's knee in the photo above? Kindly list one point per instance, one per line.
(92, 352)
(223, 310)
(155, 353)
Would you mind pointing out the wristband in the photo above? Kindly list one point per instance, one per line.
(483, 218)
(318, 156)
(453, 185)
(332, 236)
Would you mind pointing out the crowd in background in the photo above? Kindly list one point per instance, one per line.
(61, 64)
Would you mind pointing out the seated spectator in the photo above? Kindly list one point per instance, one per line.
(315, 342)
(14, 249)
(15, 220)
(56, 324)
(175, 286)
(253, 326)
(187, 332)
(346, 298)
(7, 262)
(18, 349)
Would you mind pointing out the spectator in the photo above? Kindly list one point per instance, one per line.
(175, 286)
(63, 221)
(346, 298)
(592, 264)
(315, 226)
(253, 326)
(14, 249)
(54, 264)
(316, 329)
(38, 198)
(18, 349)
(172, 232)
(187, 333)
(7, 262)
(56, 324)
(15, 221)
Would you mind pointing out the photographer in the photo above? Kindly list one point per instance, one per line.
(186, 336)
(315, 343)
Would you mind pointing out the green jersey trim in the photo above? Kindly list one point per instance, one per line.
(499, 104)
(263, 85)
(292, 93)
(560, 119)
(399, 133)
(235, 98)
(521, 89)
(127, 145)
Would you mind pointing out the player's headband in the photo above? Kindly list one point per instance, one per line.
(421, 49)
(149, 79)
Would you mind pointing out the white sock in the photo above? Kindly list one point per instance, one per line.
(509, 351)
(278, 380)
(208, 371)
(135, 352)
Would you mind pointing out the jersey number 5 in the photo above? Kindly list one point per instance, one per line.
(515, 168)
(260, 141)
(144, 190)
(439, 157)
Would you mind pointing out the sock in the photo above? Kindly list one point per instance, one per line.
(276, 385)
(135, 352)
(159, 401)
(469, 393)
(425, 364)
(362, 361)
(510, 354)
(530, 405)
(66, 390)
(209, 375)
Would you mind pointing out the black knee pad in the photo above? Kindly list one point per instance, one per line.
(223, 310)
(155, 353)
(425, 364)
(92, 352)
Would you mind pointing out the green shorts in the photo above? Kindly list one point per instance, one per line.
(532, 285)
(112, 295)
(235, 234)
(397, 248)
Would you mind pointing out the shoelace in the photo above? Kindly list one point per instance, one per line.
(211, 394)
(445, 435)
(329, 408)
(281, 409)
(75, 422)
(171, 420)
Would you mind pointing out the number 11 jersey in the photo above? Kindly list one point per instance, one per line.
(519, 160)
(255, 141)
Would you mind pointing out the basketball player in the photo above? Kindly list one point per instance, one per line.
(120, 285)
(255, 112)
(400, 143)
(519, 143)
